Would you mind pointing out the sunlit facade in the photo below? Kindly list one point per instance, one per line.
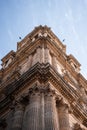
(41, 87)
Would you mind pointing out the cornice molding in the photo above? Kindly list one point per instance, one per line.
(44, 73)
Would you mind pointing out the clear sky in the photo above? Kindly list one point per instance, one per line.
(67, 19)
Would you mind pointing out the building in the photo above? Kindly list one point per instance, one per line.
(41, 87)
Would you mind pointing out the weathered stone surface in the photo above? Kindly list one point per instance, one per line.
(18, 117)
(63, 115)
(36, 74)
(47, 56)
(51, 122)
(32, 112)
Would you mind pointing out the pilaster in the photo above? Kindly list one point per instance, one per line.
(38, 52)
(42, 54)
(54, 62)
(47, 56)
(34, 58)
(63, 113)
(29, 61)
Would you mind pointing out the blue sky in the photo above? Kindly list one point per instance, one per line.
(67, 19)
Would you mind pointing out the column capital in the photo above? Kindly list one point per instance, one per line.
(19, 106)
(34, 91)
(63, 106)
(58, 99)
(49, 92)
(16, 104)
(24, 99)
(39, 47)
(60, 103)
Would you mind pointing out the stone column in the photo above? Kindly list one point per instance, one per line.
(47, 56)
(18, 117)
(63, 116)
(10, 118)
(42, 126)
(54, 62)
(32, 112)
(50, 114)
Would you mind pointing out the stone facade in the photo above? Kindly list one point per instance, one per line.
(41, 87)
